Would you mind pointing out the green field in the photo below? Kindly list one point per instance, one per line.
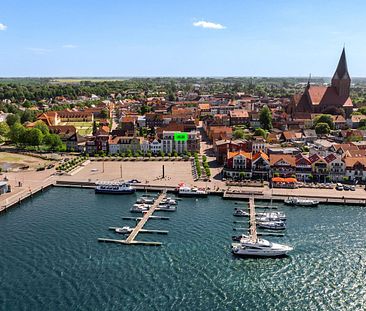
(83, 128)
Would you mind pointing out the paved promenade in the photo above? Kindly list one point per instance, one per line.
(150, 173)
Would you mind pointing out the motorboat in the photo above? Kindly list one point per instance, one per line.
(270, 215)
(167, 208)
(240, 213)
(301, 202)
(114, 188)
(123, 230)
(273, 225)
(186, 191)
(145, 200)
(169, 201)
(248, 247)
(139, 208)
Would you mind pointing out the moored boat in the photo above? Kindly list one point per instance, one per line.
(273, 225)
(123, 230)
(167, 208)
(186, 191)
(301, 202)
(114, 188)
(139, 208)
(248, 247)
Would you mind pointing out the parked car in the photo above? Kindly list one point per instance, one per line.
(346, 187)
(50, 166)
(352, 188)
(339, 187)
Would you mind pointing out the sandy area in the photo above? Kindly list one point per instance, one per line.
(14, 161)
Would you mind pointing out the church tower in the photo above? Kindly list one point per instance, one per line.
(341, 79)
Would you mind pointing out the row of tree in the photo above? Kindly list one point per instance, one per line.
(36, 136)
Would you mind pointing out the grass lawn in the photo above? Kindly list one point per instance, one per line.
(83, 128)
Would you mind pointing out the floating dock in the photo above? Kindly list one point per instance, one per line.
(146, 230)
(139, 226)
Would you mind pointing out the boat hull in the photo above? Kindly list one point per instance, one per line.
(99, 191)
(193, 195)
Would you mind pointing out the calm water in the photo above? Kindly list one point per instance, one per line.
(50, 259)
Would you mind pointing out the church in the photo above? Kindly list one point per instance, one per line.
(333, 99)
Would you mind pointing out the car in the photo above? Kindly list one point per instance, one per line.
(224, 179)
(339, 187)
(346, 187)
(352, 188)
(50, 166)
(94, 170)
(134, 181)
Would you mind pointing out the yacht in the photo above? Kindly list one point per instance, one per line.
(248, 247)
(186, 191)
(271, 215)
(114, 188)
(139, 208)
(301, 202)
(123, 230)
(273, 225)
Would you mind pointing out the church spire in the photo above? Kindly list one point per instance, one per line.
(341, 79)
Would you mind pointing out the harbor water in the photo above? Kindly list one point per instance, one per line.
(50, 258)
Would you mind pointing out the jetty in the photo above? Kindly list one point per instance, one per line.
(252, 220)
(139, 226)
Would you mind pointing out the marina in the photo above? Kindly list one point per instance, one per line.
(130, 240)
(190, 270)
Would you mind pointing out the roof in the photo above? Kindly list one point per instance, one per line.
(274, 158)
(248, 155)
(330, 158)
(284, 180)
(342, 69)
(204, 106)
(260, 154)
(350, 162)
(239, 113)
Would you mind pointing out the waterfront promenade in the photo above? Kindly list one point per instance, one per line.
(150, 175)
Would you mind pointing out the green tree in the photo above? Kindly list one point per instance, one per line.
(322, 128)
(4, 129)
(52, 140)
(362, 123)
(104, 113)
(17, 133)
(260, 132)
(324, 118)
(238, 134)
(11, 119)
(34, 137)
(42, 127)
(265, 118)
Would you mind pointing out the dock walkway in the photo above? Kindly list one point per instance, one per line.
(252, 220)
(131, 238)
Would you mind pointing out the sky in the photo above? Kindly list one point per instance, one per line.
(122, 38)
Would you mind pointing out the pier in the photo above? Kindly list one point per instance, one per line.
(252, 220)
(139, 227)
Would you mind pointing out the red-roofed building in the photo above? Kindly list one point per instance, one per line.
(326, 99)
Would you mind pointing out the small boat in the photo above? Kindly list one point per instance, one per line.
(114, 188)
(123, 230)
(167, 208)
(145, 200)
(186, 191)
(169, 200)
(273, 225)
(271, 215)
(301, 202)
(247, 247)
(139, 208)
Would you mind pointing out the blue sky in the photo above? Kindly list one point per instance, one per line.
(159, 37)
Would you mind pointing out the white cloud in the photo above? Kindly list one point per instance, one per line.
(209, 25)
(39, 51)
(3, 26)
(69, 46)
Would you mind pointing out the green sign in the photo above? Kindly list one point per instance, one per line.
(180, 136)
